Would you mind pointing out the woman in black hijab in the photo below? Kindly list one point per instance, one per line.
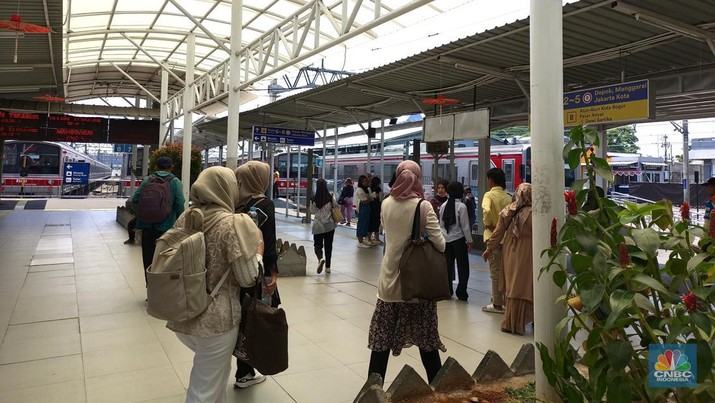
(454, 221)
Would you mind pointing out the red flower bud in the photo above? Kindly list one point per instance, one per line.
(691, 302)
(553, 231)
(624, 257)
(570, 197)
(685, 211)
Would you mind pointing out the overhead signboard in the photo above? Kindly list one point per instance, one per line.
(127, 131)
(123, 148)
(22, 126)
(625, 102)
(80, 129)
(278, 135)
(76, 173)
(457, 126)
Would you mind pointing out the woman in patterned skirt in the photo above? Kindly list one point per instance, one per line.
(398, 324)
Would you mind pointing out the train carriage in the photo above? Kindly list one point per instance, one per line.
(36, 168)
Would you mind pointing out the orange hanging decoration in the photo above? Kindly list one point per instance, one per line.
(440, 101)
(15, 23)
(48, 98)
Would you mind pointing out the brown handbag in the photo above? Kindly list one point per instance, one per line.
(263, 336)
(423, 269)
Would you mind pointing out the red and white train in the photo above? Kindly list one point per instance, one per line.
(514, 159)
(36, 167)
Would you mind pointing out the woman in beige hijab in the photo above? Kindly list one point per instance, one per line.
(253, 179)
(233, 242)
(514, 227)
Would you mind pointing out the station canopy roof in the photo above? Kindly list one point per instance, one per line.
(671, 43)
(104, 48)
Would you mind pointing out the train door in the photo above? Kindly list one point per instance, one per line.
(473, 180)
(507, 165)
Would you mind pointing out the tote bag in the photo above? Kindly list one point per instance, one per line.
(423, 269)
(335, 213)
(263, 336)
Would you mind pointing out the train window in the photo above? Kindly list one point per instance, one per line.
(508, 167)
(351, 171)
(443, 171)
(39, 159)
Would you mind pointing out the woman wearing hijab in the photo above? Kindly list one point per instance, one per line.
(397, 324)
(514, 227)
(440, 195)
(323, 224)
(233, 242)
(454, 221)
(253, 179)
(377, 195)
(362, 194)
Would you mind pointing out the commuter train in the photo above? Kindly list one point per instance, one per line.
(514, 159)
(37, 167)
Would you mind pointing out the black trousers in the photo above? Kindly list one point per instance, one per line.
(430, 360)
(458, 250)
(149, 237)
(130, 228)
(327, 239)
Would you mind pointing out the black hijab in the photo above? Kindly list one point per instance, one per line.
(455, 190)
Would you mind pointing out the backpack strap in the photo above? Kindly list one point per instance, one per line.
(220, 283)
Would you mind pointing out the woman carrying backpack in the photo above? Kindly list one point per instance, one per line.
(323, 224)
(253, 179)
(233, 242)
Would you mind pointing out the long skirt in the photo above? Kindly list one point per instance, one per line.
(363, 224)
(375, 208)
(518, 313)
(398, 325)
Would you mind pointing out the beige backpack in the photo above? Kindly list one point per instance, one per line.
(176, 279)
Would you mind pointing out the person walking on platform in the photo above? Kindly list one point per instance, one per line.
(471, 205)
(253, 179)
(276, 178)
(346, 201)
(397, 324)
(362, 194)
(514, 228)
(323, 224)
(158, 202)
(494, 201)
(233, 242)
(454, 221)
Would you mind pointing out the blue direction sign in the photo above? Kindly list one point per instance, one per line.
(76, 173)
(280, 135)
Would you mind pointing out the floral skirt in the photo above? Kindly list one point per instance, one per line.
(398, 325)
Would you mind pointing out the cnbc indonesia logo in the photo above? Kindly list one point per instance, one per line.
(672, 366)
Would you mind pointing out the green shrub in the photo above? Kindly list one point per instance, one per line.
(174, 151)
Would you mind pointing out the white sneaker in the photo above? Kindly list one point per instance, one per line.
(320, 265)
(364, 245)
(249, 380)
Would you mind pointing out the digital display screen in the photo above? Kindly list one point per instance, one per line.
(22, 126)
(126, 131)
(76, 129)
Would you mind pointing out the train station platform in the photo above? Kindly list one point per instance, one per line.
(74, 327)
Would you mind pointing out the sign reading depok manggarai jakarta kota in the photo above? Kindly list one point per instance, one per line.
(624, 102)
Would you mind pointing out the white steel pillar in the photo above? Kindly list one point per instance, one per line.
(133, 163)
(382, 147)
(546, 56)
(325, 141)
(686, 163)
(234, 95)
(297, 187)
(162, 105)
(188, 124)
(335, 163)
